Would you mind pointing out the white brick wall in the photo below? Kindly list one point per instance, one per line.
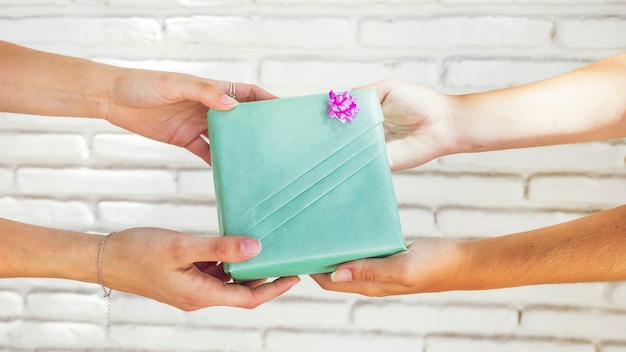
(90, 176)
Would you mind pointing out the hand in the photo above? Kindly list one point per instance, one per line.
(171, 107)
(429, 265)
(417, 123)
(184, 271)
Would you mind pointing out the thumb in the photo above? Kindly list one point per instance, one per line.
(364, 270)
(206, 93)
(226, 249)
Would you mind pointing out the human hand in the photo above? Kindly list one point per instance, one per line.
(184, 271)
(417, 123)
(171, 107)
(429, 265)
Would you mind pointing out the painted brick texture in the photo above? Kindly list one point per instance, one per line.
(87, 175)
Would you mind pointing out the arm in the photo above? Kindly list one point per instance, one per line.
(164, 106)
(171, 267)
(178, 269)
(589, 249)
(583, 105)
(421, 124)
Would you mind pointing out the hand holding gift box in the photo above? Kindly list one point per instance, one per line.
(309, 178)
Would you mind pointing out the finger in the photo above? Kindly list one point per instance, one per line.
(236, 295)
(379, 270)
(370, 289)
(244, 92)
(214, 270)
(200, 148)
(221, 249)
(253, 283)
(205, 92)
(251, 92)
(382, 87)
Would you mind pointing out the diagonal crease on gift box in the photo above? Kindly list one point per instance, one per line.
(315, 192)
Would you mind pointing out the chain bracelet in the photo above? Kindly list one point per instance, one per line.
(107, 291)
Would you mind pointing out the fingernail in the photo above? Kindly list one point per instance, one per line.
(226, 100)
(343, 275)
(250, 248)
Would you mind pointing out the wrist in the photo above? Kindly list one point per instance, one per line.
(104, 79)
(463, 122)
(42, 252)
(72, 256)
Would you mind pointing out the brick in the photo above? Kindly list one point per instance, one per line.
(286, 340)
(614, 347)
(498, 344)
(34, 124)
(335, 2)
(196, 184)
(320, 76)
(451, 32)
(24, 286)
(597, 156)
(35, 2)
(134, 150)
(55, 335)
(74, 307)
(197, 218)
(43, 212)
(499, 73)
(309, 289)
(417, 222)
(11, 305)
(5, 329)
(596, 2)
(43, 149)
(6, 180)
(426, 319)
(472, 222)
(437, 188)
(184, 338)
(592, 33)
(190, 3)
(81, 30)
(263, 31)
(234, 69)
(89, 182)
(617, 294)
(278, 314)
(575, 323)
(568, 189)
(128, 308)
(459, 2)
(572, 295)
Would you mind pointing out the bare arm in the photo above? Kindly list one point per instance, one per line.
(583, 105)
(165, 106)
(421, 124)
(589, 249)
(178, 269)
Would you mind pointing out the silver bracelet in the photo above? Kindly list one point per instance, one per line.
(107, 291)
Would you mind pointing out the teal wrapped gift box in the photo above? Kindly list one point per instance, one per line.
(315, 191)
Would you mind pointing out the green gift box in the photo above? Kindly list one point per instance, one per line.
(315, 191)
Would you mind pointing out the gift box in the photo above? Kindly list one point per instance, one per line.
(314, 187)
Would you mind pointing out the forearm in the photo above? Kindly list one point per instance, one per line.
(33, 251)
(583, 105)
(589, 249)
(35, 82)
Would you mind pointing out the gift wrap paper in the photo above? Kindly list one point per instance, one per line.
(315, 191)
